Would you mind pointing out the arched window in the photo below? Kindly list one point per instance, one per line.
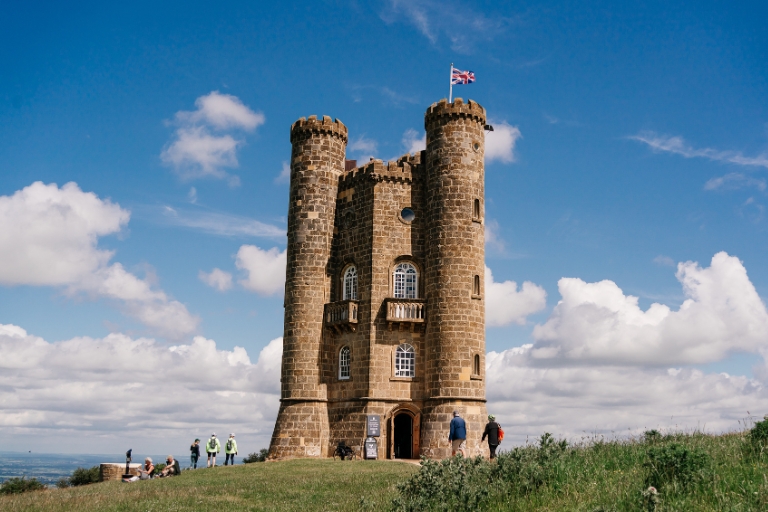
(476, 365)
(405, 361)
(350, 284)
(476, 285)
(344, 363)
(406, 281)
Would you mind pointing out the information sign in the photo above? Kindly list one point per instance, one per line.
(374, 425)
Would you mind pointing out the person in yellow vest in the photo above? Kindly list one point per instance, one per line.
(212, 447)
(230, 449)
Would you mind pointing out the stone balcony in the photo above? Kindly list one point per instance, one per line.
(341, 316)
(406, 312)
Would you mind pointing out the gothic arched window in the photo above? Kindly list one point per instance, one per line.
(344, 363)
(405, 361)
(350, 284)
(406, 281)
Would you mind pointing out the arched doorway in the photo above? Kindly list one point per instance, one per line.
(403, 436)
(403, 432)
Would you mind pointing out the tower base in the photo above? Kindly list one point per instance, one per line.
(301, 430)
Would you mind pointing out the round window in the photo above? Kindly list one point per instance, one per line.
(476, 146)
(407, 215)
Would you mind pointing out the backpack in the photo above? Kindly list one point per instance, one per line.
(501, 433)
(229, 444)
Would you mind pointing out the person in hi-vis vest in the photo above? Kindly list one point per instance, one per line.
(212, 447)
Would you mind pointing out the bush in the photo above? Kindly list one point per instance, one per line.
(758, 435)
(256, 457)
(675, 464)
(18, 485)
(62, 483)
(450, 484)
(83, 476)
(159, 468)
(468, 484)
(652, 436)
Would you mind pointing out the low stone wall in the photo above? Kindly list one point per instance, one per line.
(114, 470)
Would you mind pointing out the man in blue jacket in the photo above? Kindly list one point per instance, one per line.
(458, 435)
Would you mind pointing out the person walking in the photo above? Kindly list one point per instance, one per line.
(230, 450)
(194, 453)
(492, 432)
(458, 435)
(212, 447)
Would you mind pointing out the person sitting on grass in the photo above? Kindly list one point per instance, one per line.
(171, 467)
(145, 471)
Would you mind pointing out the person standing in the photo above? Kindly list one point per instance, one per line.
(492, 432)
(230, 450)
(194, 453)
(212, 447)
(458, 435)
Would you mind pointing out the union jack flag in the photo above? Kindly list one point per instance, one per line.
(461, 77)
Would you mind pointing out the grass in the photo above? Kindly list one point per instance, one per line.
(693, 472)
(294, 485)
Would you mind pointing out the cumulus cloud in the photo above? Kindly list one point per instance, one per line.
(109, 391)
(582, 401)
(216, 278)
(363, 148)
(49, 237)
(200, 146)
(413, 142)
(265, 270)
(500, 143)
(506, 304)
(597, 323)
(678, 146)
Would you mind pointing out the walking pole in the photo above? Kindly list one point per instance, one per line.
(450, 87)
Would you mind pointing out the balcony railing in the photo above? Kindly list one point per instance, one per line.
(406, 311)
(341, 315)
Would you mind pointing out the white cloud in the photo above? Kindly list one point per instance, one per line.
(734, 180)
(664, 261)
(192, 195)
(215, 223)
(265, 269)
(216, 278)
(500, 143)
(199, 147)
(596, 323)
(678, 146)
(49, 236)
(492, 238)
(582, 401)
(363, 148)
(285, 174)
(105, 394)
(414, 143)
(505, 304)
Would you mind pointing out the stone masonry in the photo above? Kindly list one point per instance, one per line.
(343, 351)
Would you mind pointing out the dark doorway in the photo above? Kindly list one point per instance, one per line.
(403, 436)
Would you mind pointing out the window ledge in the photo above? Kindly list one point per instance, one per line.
(479, 221)
(345, 378)
(404, 379)
(475, 377)
(477, 297)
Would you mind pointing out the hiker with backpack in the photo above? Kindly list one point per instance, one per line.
(495, 434)
(212, 447)
(230, 450)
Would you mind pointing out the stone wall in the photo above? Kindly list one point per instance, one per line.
(115, 470)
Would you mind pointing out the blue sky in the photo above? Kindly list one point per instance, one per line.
(640, 141)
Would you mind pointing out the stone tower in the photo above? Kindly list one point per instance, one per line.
(384, 298)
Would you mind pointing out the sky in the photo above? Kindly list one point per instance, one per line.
(143, 201)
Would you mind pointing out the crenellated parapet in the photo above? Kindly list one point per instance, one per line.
(457, 109)
(305, 127)
(405, 169)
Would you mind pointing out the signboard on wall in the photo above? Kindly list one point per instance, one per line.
(371, 448)
(374, 425)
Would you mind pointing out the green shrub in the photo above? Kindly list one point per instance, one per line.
(526, 468)
(675, 464)
(256, 457)
(450, 484)
(159, 468)
(18, 485)
(83, 476)
(758, 435)
(652, 436)
(62, 483)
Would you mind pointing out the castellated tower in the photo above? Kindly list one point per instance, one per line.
(384, 301)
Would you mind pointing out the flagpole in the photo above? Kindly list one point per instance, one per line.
(450, 87)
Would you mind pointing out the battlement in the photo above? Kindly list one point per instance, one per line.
(458, 108)
(403, 170)
(312, 124)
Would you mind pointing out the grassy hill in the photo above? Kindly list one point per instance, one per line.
(689, 472)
